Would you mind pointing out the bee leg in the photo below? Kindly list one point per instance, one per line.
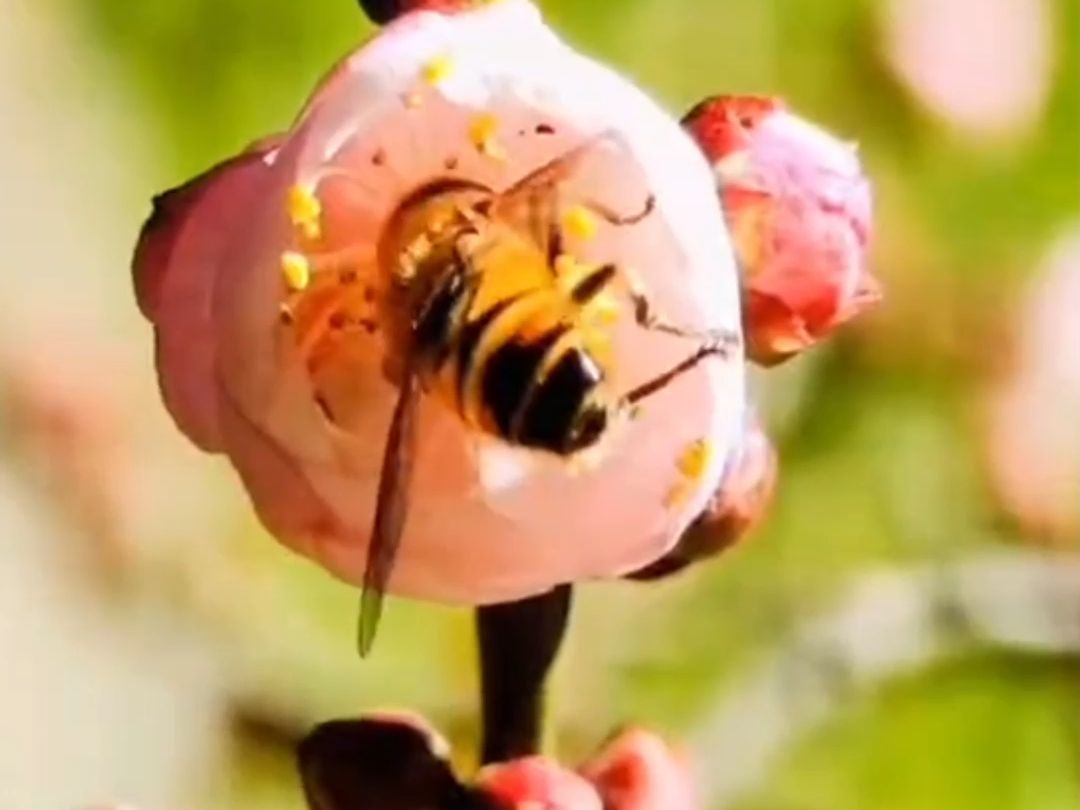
(647, 318)
(719, 346)
(555, 245)
(621, 220)
(518, 644)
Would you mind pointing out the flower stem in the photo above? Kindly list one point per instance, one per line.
(518, 644)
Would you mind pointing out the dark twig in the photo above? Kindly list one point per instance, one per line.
(518, 645)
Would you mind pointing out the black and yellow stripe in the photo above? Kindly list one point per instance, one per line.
(519, 369)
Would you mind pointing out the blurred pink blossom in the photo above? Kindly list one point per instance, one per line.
(799, 209)
(1033, 438)
(269, 305)
(984, 66)
(69, 427)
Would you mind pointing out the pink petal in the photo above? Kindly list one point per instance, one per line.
(283, 499)
(175, 262)
(745, 494)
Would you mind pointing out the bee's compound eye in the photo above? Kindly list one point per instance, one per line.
(589, 426)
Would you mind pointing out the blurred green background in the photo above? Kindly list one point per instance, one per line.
(159, 649)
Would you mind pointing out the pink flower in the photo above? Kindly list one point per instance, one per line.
(745, 494)
(399, 762)
(799, 209)
(274, 347)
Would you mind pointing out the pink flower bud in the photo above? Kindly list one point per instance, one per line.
(279, 337)
(799, 209)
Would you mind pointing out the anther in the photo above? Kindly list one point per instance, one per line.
(296, 270)
(305, 210)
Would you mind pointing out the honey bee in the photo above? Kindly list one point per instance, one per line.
(491, 315)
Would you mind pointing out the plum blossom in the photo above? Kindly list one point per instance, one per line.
(799, 209)
(399, 762)
(269, 305)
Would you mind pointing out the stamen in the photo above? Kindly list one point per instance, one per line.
(296, 270)
(482, 133)
(579, 222)
(305, 210)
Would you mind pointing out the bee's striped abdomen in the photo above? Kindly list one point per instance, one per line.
(510, 375)
(508, 354)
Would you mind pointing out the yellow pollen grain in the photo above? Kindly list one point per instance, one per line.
(695, 460)
(691, 464)
(305, 210)
(296, 270)
(605, 309)
(482, 133)
(438, 69)
(677, 495)
(569, 271)
(579, 222)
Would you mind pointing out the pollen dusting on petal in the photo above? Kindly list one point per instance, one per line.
(439, 69)
(413, 100)
(695, 460)
(296, 270)
(677, 495)
(605, 310)
(482, 132)
(305, 210)
(692, 465)
(580, 222)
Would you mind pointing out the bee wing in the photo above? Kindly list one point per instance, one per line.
(391, 510)
(532, 204)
